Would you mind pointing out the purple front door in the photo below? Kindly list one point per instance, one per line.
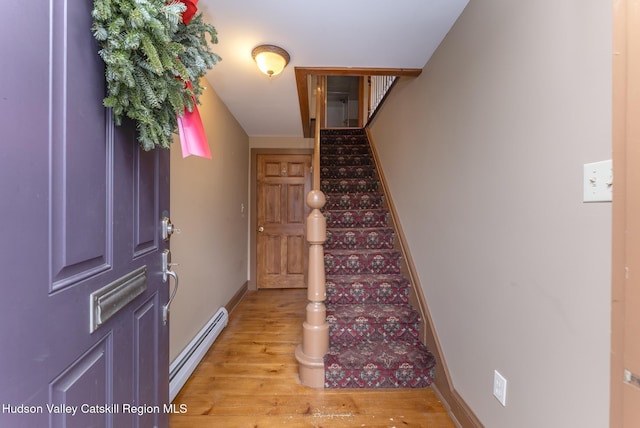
(82, 337)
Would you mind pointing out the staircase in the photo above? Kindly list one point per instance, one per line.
(374, 332)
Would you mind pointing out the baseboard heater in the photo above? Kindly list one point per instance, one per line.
(184, 365)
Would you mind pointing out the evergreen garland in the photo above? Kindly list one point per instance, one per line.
(149, 56)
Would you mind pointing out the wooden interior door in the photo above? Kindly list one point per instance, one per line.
(282, 187)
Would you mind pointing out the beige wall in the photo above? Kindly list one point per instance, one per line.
(206, 200)
(484, 154)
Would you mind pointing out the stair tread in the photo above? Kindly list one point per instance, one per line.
(327, 167)
(350, 324)
(373, 210)
(360, 252)
(339, 195)
(336, 156)
(351, 150)
(362, 229)
(354, 289)
(376, 281)
(386, 364)
(341, 179)
(368, 277)
(345, 297)
(377, 312)
(399, 348)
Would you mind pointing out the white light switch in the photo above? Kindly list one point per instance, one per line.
(500, 387)
(598, 181)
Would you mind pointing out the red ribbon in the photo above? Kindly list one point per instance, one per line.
(192, 8)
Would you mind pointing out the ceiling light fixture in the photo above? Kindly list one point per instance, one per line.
(271, 59)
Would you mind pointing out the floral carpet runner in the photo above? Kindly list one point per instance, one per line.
(373, 330)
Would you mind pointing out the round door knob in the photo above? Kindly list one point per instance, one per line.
(261, 229)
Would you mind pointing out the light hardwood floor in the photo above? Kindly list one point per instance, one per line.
(249, 379)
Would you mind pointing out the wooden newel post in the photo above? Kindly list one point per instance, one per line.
(315, 329)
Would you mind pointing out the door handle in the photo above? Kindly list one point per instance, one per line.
(166, 273)
(261, 229)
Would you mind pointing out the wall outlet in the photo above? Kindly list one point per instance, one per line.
(500, 387)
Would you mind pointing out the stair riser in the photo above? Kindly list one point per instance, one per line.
(405, 376)
(371, 365)
(343, 290)
(354, 150)
(350, 295)
(337, 201)
(351, 324)
(349, 186)
(340, 264)
(348, 171)
(354, 333)
(346, 239)
(343, 141)
(352, 219)
(346, 160)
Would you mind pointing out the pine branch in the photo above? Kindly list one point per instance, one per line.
(149, 54)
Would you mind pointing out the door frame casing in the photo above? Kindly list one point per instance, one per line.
(625, 323)
(253, 212)
(304, 93)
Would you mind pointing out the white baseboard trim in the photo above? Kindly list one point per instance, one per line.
(183, 366)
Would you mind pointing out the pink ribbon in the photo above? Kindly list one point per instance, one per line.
(193, 139)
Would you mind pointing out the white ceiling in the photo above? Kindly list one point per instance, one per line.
(327, 33)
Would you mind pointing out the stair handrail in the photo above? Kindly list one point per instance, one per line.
(379, 88)
(319, 123)
(315, 329)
